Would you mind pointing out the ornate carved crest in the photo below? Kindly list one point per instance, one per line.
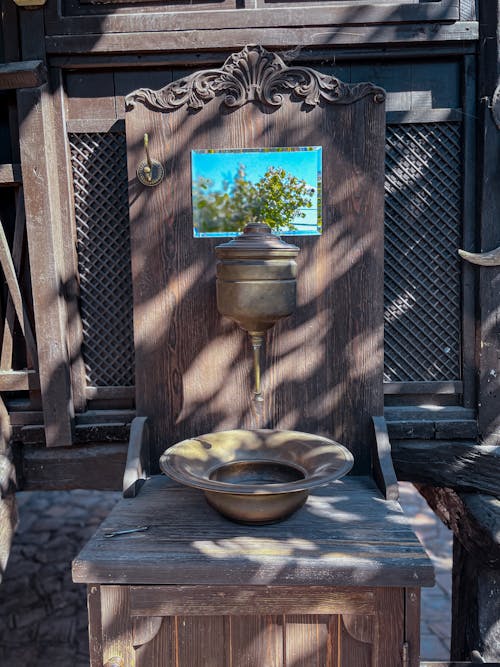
(253, 74)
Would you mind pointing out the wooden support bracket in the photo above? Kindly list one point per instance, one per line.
(137, 466)
(383, 470)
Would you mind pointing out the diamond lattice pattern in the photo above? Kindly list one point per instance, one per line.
(423, 212)
(99, 162)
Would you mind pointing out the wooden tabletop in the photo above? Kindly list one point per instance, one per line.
(345, 535)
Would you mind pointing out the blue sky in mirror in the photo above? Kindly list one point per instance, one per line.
(222, 179)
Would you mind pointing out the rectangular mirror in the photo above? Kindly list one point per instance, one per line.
(279, 186)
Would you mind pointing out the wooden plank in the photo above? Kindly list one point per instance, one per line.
(412, 625)
(25, 74)
(344, 534)
(311, 641)
(17, 380)
(116, 624)
(155, 642)
(424, 116)
(78, 85)
(10, 174)
(307, 15)
(459, 464)
(173, 292)
(256, 641)
(95, 625)
(84, 433)
(45, 247)
(32, 29)
(489, 210)
(469, 226)
(246, 600)
(450, 387)
(383, 470)
(137, 466)
(10, 313)
(204, 641)
(432, 413)
(356, 641)
(210, 57)
(413, 429)
(105, 416)
(83, 125)
(69, 269)
(275, 36)
(10, 274)
(389, 629)
(107, 393)
(96, 466)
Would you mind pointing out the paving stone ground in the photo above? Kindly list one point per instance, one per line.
(43, 617)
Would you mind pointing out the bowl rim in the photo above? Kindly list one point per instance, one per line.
(322, 477)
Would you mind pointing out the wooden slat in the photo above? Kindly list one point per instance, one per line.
(10, 313)
(412, 625)
(316, 14)
(244, 600)
(116, 624)
(17, 380)
(95, 625)
(256, 640)
(424, 116)
(25, 74)
(10, 174)
(10, 274)
(451, 387)
(459, 464)
(343, 535)
(279, 36)
(45, 247)
(311, 641)
(203, 641)
(355, 647)
(389, 629)
(94, 467)
(383, 470)
(107, 393)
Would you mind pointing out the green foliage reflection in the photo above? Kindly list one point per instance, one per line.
(277, 199)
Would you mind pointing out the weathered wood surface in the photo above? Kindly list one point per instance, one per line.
(10, 174)
(383, 470)
(489, 210)
(26, 74)
(98, 466)
(137, 466)
(345, 535)
(45, 248)
(474, 519)
(174, 18)
(245, 600)
(452, 463)
(344, 637)
(322, 374)
(429, 33)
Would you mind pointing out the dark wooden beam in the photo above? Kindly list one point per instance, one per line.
(458, 464)
(10, 175)
(25, 74)
(97, 466)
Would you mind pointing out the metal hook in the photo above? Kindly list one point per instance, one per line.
(149, 172)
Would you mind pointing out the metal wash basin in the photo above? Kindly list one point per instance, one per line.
(259, 476)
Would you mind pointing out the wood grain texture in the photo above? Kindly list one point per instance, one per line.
(45, 247)
(204, 641)
(95, 625)
(389, 628)
(175, 18)
(10, 174)
(311, 641)
(244, 600)
(256, 641)
(412, 625)
(344, 535)
(27, 74)
(116, 625)
(323, 366)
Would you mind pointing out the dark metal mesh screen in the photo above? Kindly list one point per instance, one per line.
(99, 163)
(423, 210)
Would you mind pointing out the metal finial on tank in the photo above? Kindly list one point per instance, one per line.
(256, 284)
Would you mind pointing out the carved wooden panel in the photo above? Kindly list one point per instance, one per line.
(323, 371)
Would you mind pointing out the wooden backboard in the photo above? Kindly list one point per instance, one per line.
(323, 365)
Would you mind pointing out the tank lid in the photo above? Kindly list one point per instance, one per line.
(257, 240)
